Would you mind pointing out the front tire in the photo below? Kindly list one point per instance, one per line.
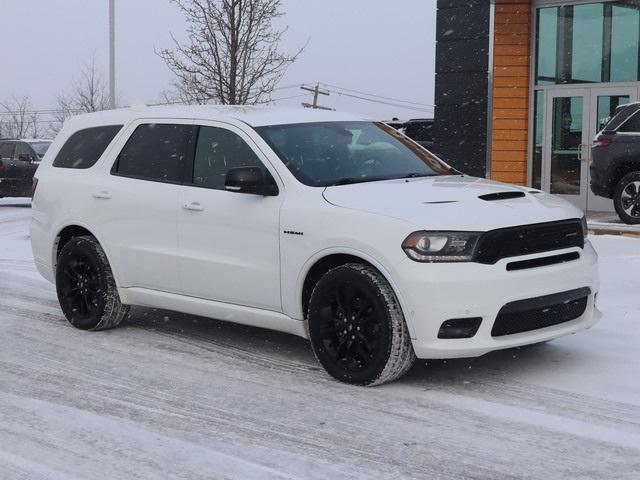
(626, 198)
(356, 327)
(86, 288)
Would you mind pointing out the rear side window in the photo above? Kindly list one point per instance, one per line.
(6, 150)
(156, 152)
(631, 125)
(85, 147)
(219, 150)
(619, 118)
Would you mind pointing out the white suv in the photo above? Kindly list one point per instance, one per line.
(320, 224)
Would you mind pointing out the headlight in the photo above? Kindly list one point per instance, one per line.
(441, 246)
(585, 227)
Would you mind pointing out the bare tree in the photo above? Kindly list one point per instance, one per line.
(88, 94)
(17, 118)
(232, 54)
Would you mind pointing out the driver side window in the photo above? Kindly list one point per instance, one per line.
(217, 151)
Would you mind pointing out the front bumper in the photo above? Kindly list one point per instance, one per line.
(434, 293)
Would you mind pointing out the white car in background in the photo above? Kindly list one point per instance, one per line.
(320, 224)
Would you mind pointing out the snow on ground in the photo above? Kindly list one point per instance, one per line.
(174, 396)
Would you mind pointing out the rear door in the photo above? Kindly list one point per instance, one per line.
(137, 203)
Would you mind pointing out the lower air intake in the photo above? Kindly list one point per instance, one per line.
(540, 312)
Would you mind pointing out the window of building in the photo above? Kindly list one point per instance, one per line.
(589, 43)
(156, 152)
(625, 27)
(218, 150)
(85, 147)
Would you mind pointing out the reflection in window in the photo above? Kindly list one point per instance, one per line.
(565, 145)
(538, 115)
(596, 42)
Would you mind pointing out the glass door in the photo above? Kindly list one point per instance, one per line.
(566, 144)
(603, 104)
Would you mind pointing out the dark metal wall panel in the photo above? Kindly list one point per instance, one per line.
(462, 83)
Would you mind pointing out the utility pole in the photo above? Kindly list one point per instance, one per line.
(112, 54)
(316, 93)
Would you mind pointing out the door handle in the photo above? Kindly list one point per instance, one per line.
(193, 206)
(102, 194)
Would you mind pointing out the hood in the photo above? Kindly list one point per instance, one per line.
(453, 202)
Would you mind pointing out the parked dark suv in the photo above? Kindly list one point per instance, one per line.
(18, 162)
(615, 170)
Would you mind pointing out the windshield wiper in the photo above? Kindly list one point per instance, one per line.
(416, 175)
(350, 180)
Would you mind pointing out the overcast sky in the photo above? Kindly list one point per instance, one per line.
(375, 46)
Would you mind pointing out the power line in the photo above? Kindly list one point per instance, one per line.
(378, 96)
(383, 102)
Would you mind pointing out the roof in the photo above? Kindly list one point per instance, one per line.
(255, 116)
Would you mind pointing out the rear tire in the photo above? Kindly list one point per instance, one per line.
(626, 198)
(356, 327)
(86, 288)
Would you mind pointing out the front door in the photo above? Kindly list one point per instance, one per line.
(573, 117)
(604, 102)
(229, 242)
(565, 147)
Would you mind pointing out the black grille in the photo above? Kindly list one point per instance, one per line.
(540, 312)
(527, 239)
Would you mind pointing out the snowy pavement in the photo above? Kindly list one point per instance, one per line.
(174, 396)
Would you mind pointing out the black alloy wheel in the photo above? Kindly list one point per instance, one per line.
(356, 327)
(86, 288)
(626, 198)
(80, 286)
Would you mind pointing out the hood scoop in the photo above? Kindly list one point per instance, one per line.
(490, 197)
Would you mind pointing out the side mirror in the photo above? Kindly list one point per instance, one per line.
(25, 157)
(250, 180)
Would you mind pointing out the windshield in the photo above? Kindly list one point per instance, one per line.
(40, 148)
(340, 153)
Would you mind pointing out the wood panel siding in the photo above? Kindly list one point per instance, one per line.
(510, 95)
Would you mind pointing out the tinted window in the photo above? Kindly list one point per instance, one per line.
(156, 152)
(6, 150)
(621, 116)
(631, 125)
(23, 150)
(339, 153)
(217, 151)
(85, 147)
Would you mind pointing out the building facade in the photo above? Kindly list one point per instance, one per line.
(523, 86)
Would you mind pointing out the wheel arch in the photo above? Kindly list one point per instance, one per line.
(73, 230)
(325, 260)
(620, 171)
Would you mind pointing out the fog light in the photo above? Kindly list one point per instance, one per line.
(460, 327)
